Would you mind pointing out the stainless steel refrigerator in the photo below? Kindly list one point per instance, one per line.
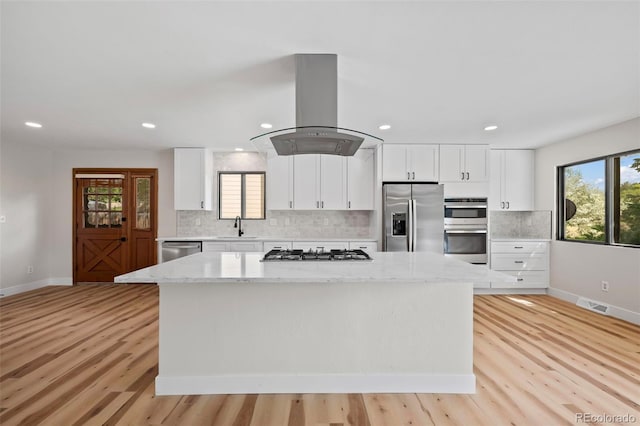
(413, 217)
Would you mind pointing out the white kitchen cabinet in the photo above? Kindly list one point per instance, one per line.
(320, 245)
(319, 182)
(243, 246)
(401, 162)
(528, 261)
(277, 245)
(361, 180)
(279, 181)
(511, 180)
(368, 246)
(193, 179)
(464, 163)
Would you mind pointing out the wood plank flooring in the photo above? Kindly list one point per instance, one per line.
(87, 355)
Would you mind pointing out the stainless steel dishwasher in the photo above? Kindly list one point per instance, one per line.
(175, 249)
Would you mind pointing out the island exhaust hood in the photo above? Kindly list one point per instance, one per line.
(317, 130)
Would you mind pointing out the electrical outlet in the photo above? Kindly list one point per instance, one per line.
(605, 285)
(29, 269)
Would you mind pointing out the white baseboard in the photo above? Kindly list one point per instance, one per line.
(614, 311)
(509, 291)
(21, 288)
(332, 383)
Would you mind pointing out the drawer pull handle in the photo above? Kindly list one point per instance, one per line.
(518, 261)
(520, 279)
(518, 247)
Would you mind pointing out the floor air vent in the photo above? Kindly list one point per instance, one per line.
(593, 306)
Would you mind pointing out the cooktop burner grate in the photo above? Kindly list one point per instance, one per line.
(301, 255)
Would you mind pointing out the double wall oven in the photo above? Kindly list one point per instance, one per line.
(465, 229)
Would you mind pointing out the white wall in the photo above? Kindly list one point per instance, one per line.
(27, 203)
(36, 194)
(578, 269)
(62, 184)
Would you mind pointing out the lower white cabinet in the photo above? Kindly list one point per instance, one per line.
(321, 245)
(528, 261)
(232, 246)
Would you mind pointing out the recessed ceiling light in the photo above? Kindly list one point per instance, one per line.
(266, 125)
(492, 127)
(384, 127)
(239, 149)
(149, 125)
(32, 124)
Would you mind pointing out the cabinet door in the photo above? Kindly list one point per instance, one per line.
(333, 182)
(306, 170)
(517, 180)
(279, 182)
(245, 246)
(451, 163)
(496, 202)
(394, 163)
(476, 163)
(215, 246)
(192, 173)
(423, 161)
(360, 180)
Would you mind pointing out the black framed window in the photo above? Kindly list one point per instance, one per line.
(599, 200)
(241, 194)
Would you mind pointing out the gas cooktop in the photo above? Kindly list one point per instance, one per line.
(300, 255)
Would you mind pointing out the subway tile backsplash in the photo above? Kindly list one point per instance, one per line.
(523, 224)
(285, 224)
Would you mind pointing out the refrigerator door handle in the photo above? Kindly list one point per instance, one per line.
(410, 226)
(414, 228)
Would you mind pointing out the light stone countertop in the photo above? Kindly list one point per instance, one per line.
(256, 238)
(224, 267)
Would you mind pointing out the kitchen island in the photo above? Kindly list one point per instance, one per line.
(230, 323)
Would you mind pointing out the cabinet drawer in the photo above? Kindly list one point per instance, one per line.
(214, 246)
(277, 245)
(538, 247)
(245, 246)
(526, 279)
(321, 245)
(367, 246)
(518, 262)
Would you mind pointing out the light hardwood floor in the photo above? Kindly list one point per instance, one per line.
(88, 355)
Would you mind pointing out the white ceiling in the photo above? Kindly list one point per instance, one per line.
(208, 73)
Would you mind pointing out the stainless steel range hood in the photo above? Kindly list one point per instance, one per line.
(317, 130)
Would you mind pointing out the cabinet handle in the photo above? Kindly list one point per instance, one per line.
(507, 205)
(520, 279)
(518, 261)
(202, 204)
(322, 203)
(317, 204)
(518, 247)
(408, 176)
(413, 174)
(462, 175)
(349, 204)
(468, 176)
(502, 204)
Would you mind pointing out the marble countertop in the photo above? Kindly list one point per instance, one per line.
(256, 238)
(212, 267)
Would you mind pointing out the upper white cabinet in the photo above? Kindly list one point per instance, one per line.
(361, 180)
(464, 163)
(511, 180)
(320, 182)
(279, 181)
(193, 179)
(410, 163)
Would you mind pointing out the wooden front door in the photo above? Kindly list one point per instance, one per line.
(115, 222)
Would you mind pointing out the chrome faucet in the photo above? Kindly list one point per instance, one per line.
(238, 225)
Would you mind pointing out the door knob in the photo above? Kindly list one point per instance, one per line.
(123, 239)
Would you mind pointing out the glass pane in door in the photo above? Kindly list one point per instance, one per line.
(102, 203)
(143, 203)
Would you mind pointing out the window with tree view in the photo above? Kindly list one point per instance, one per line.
(600, 200)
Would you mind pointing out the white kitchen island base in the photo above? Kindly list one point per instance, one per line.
(326, 337)
(230, 323)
